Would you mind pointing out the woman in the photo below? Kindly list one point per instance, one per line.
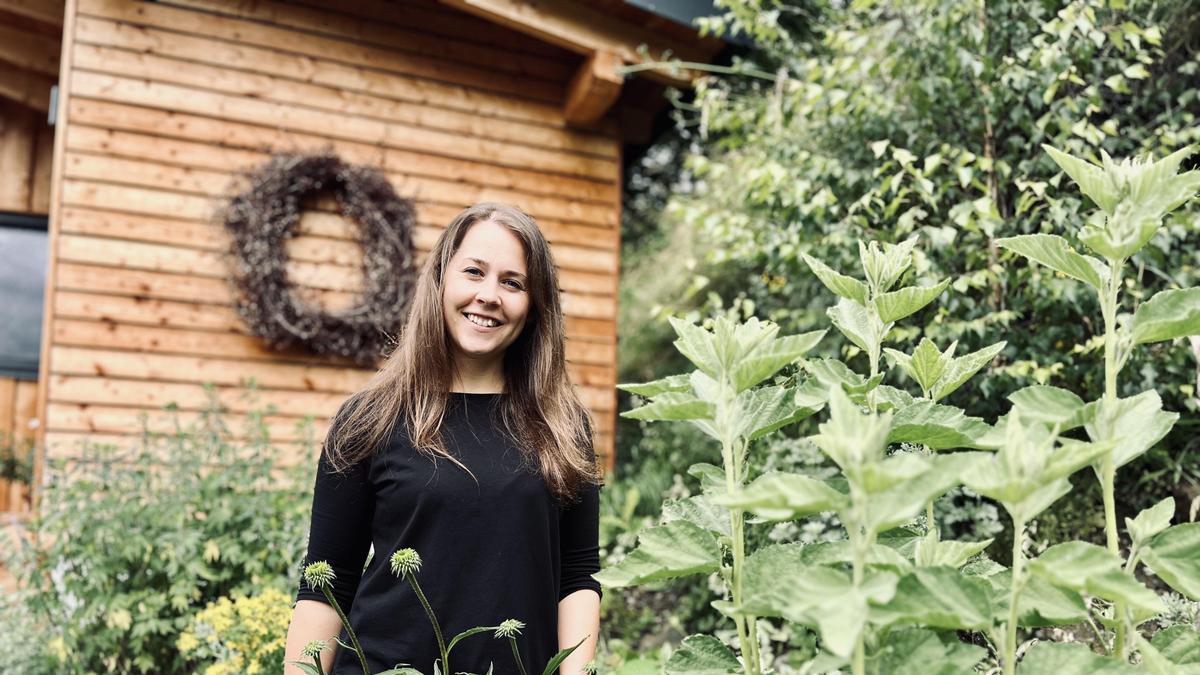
(471, 447)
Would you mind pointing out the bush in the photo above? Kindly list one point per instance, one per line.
(131, 547)
(243, 635)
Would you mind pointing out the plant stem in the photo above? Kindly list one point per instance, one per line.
(930, 524)
(317, 663)
(1108, 469)
(516, 654)
(362, 660)
(1018, 568)
(731, 453)
(437, 630)
(858, 545)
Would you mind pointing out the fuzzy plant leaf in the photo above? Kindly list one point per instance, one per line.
(1150, 521)
(922, 652)
(767, 358)
(673, 383)
(672, 405)
(1174, 556)
(676, 549)
(778, 496)
(1056, 253)
(1166, 316)
(827, 373)
(840, 284)
(962, 368)
(698, 510)
(932, 551)
(1179, 643)
(1048, 405)
(556, 661)
(702, 655)
(937, 426)
(1155, 662)
(1092, 180)
(1056, 658)
(766, 409)
(885, 263)
(937, 597)
(842, 553)
(896, 305)
(1087, 568)
(777, 584)
(856, 323)
(1040, 605)
(1146, 192)
(711, 477)
(927, 363)
(908, 490)
(851, 437)
(1133, 425)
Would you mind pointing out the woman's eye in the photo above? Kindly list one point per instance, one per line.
(515, 284)
(472, 270)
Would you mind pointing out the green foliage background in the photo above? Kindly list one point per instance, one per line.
(877, 120)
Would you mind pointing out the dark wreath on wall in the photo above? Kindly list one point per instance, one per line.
(265, 215)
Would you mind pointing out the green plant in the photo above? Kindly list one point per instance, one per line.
(887, 599)
(240, 635)
(130, 544)
(406, 563)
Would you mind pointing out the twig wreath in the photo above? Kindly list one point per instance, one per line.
(266, 214)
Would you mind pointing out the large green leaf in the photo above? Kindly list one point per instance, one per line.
(676, 383)
(677, 549)
(840, 284)
(1087, 568)
(963, 367)
(937, 426)
(898, 304)
(1167, 315)
(767, 358)
(777, 583)
(766, 409)
(1092, 180)
(1054, 252)
(929, 363)
(1150, 521)
(853, 320)
(1179, 643)
(923, 652)
(702, 655)
(712, 478)
(1049, 405)
(1134, 424)
(672, 406)
(698, 346)
(1155, 662)
(1054, 658)
(784, 496)
(931, 551)
(1040, 604)
(908, 491)
(851, 437)
(938, 597)
(1174, 555)
(829, 372)
(842, 552)
(885, 263)
(699, 510)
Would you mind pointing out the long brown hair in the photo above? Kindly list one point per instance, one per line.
(541, 412)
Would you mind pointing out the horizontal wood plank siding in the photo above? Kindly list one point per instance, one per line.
(171, 102)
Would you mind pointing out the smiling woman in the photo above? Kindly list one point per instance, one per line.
(478, 379)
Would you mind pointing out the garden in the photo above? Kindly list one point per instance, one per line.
(910, 326)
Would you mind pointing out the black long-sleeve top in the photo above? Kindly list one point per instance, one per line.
(500, 549)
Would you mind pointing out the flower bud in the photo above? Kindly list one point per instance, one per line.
(405, 561)
(319, 575)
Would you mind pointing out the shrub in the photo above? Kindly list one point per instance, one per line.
(131, 546)
(242, 635)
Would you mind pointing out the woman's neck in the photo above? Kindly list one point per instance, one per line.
(476, 378)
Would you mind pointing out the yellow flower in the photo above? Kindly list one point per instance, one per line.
(187, 642)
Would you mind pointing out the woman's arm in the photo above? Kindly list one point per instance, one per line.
(311, 620)
(578, 615)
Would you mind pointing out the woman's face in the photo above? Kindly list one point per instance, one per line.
(485, 296)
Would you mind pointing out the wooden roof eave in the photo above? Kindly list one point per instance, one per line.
(605, 41)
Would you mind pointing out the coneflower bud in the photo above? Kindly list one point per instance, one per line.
(405, 562)
(509, 628)
(313, 649)
(319, 575)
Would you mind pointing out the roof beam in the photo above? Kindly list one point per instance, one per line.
(28, 51)
(575, 26)
(43, 11)
(25, 87)
(593, 89)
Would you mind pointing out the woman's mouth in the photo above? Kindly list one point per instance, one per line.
(481, 322)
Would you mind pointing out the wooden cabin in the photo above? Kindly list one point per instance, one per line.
(160, 106)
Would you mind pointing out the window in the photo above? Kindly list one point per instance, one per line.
(22, 288)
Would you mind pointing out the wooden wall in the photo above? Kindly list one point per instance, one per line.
(18, 412)
(166, 102)
(26, 147)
